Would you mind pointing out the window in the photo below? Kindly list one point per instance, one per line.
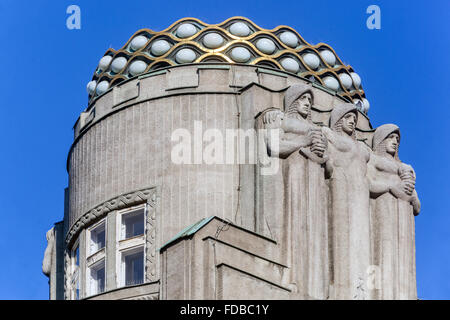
(97, 238)
(75, 272)
(131, 244)
(97, 278)
(133, 265)
(133, 223)
(96, 260)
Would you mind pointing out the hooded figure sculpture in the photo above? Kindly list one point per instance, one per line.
(291, 200)
(393, 206)
(349, 205)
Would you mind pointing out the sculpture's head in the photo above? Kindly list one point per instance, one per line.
(298, 101)
(344, 118)
(386, 140)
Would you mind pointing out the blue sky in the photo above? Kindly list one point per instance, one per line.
(45, 68)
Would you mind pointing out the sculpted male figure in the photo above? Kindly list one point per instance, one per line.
(349, 205)
(393, 207)
(302, 228)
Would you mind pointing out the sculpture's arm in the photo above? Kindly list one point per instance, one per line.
(286, 144)
(271, 118)
(297, 127)
(377, 186)
(399, 193)
(407, 169)
(328, 135)
(415, 202)
(319, 142)
(280, 144)
(408, 176)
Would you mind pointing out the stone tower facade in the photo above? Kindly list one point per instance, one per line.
(212, 157)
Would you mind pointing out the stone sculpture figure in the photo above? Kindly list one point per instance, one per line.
(394, 204)
(349, 236)
(299, 192)
(48, 254)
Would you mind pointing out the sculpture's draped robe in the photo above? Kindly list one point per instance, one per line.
(306, 214)
(294, 204)
(393, 234)
(349, 215)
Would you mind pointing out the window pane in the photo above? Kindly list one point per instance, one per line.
(98, 278)
(76, 256)
(101, 239)
(98, 238)
(101, 280)
(134, 268)
(134, 223)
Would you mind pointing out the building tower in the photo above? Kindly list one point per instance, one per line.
(179, 190)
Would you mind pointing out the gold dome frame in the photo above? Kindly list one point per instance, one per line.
(204, 54)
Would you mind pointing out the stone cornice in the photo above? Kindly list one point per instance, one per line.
(116, 203)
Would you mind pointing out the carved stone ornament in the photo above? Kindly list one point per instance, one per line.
(117, 203)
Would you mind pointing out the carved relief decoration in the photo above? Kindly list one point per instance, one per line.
(117, 203)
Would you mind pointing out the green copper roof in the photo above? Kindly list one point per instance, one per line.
(188, 231)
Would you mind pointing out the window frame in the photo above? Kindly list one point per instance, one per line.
(88, 237)
(123, 256)
(127, 246)
(129, 211)
(89, 278)
(95, 258)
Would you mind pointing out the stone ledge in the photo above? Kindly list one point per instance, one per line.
(146, 291)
